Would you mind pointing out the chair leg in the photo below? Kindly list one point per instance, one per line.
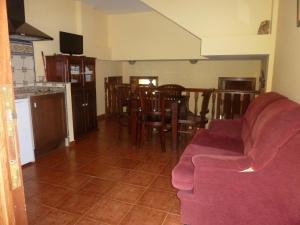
(149, 133)
(120, 127)
(174, 138)
(163, 139)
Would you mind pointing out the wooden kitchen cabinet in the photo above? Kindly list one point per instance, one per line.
(90, 109)
(78, 112)
(80, 72)
(84, 111)
(48, 121)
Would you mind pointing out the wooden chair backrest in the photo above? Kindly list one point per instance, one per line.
(152, 101)
(171, 90)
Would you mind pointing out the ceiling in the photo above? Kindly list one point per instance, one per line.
(119, 6)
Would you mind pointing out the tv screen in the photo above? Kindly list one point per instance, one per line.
(71, 43)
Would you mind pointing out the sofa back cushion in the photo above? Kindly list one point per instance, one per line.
(273, 128)
(254, 109)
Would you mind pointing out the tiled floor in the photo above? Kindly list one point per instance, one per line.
(103, 180)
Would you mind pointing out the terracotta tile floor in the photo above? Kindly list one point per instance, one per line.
(103, 180)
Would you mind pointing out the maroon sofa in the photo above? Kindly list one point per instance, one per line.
(244, 171)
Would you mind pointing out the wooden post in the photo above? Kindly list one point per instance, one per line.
(213, 114)
(133, 120)
(12, 203)
(105, 96)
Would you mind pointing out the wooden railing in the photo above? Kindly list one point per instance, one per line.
(221, 106)
(195, 100)
(231, 104)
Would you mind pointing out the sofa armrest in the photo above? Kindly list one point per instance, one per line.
(185, 174)
(228, 163)
(227, 128)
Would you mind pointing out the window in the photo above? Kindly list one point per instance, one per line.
(144, 80)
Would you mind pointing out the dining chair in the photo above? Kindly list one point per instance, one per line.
(189, 123)
(171, 90)
(152, 115)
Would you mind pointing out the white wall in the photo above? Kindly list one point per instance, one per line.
(286, 78)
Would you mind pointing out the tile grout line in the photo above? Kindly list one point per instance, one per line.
(164, 220)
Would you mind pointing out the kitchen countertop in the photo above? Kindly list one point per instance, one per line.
(36, 91)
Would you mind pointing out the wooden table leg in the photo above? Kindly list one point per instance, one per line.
(133, 121)
(174, 125)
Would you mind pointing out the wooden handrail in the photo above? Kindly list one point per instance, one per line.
(237, 91)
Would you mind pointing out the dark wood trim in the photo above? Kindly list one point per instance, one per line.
(223, 80)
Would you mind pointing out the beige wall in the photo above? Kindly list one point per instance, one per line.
(211, 18)
(225, 27)
(148, 36)
(204, 74)
(52, 16)
(95, 32)
(287, 67)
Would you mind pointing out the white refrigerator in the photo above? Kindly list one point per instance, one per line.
(25, 133)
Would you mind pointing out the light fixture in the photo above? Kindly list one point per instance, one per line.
(193, 61)
(131, 62)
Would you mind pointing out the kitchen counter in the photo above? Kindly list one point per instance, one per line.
(26, 92)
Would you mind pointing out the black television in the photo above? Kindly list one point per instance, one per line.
(70, 43)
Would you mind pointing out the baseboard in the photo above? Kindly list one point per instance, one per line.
(72, 143)
(101, 117)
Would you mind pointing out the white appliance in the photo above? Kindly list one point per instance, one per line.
(25, 134)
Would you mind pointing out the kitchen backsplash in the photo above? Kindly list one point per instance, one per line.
(22, 57)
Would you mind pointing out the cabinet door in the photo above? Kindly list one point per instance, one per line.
(78, 105)
(89, 72)
(56, 69)
(48, 121)
(90, 109)
(75, 70)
